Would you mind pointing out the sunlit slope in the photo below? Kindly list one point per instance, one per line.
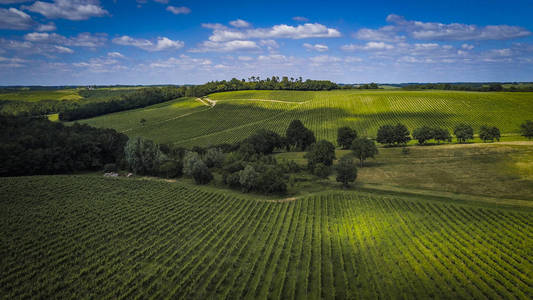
(237, 114)
(104, 238)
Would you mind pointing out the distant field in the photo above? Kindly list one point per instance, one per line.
(92, 237)
(38, 95)
(238, 114)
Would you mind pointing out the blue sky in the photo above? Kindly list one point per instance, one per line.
(78, 42)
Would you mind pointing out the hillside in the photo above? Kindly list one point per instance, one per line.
(95, 237)
(238, 114)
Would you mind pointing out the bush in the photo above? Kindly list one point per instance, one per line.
(201, 173)
(110, 168)
(321, 170)
(346, 171)
(345, 137)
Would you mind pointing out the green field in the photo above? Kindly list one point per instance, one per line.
(238, 114)
(93, 237)
(38, 95)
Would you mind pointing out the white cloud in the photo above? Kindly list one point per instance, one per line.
(73, 10)
(163, 43)
(300, 19)
(467, 46)
(183, 62)
(245, 58)
(316, 47)
(210, 46)
(62, 49)
(179, 10)
(13, 1)
(308, 30)
(47, 27)
(368, 46)
(81, 40)
(322, 59)
(12, 62)
(502, 52)
(15, 19)
(115, 54)
(239, 23)
(384, 34)
(352, 59)
(271, 45)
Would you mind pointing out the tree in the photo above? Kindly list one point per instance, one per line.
(463, 132)
(143, 156)
(346, 171)
(321, 152)
(171, 169)
(423, 134)
(345, 136)
(189, 160)
(271, 181)
(264, 141)
(321, 170)
(489, 133)
(248, 178)
(201, 173)
(143, 121)
(441, 134)
(526, 129)
(364, 148)
(299, 136)
(385, 134)
(401, 134)
(214, 157)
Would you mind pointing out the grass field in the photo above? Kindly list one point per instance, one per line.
(92, 237)
(499, 170)
(38, 95)
(238, 114)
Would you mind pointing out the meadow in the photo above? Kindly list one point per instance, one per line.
(238, 114)
(86, 236)
(39, 95)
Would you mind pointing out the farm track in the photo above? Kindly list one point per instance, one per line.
(93, 237)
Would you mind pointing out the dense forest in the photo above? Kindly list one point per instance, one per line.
(33, 146)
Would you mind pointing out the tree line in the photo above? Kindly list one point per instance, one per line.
(478, 87)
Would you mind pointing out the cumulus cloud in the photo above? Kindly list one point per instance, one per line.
(308, 30)
(115, 54)
(181, 10)
(439, 31)
(62, 49)
(239, 23)
(47, 27)
(81, 40)
(73, 10)
(322, 59)
(15, 19)
(316, 47)
(162, 43)
(100, 65)
(237, 45)
(376, 46)
(184, 62)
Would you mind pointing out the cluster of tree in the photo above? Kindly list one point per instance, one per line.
(37, 108)
(256, 83)
(393, 135)
(366, 86)
(491, 134)
(138, 98)
(425, 133)
(480, 87)
(526, 129)
(37, 146)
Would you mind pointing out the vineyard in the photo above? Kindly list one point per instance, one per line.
(92, 237)
(238, 114)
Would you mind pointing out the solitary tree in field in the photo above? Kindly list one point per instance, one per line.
(346, 171)
(423, 134)
(489, 133)
(345, 136)
(364, 148)
(299, 136)
(526, 129)
(463, 132)
(321, 152)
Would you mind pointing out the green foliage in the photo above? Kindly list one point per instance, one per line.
(423, 134)
(214, 157)
(110, 168)
(320, 152)
(463, 133)
(143, 156)
(487, 133)
(346, 171)
(200, 173)
(171, 169)
(526, 129)
(345, 136)
(393, 135)
(364, 148)
(298, 136)
(189, 160)
(248, 179)
(441, 135)
(263, 142)
(37, 146)
(321, 170)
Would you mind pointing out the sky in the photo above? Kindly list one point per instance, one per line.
(92, 42)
